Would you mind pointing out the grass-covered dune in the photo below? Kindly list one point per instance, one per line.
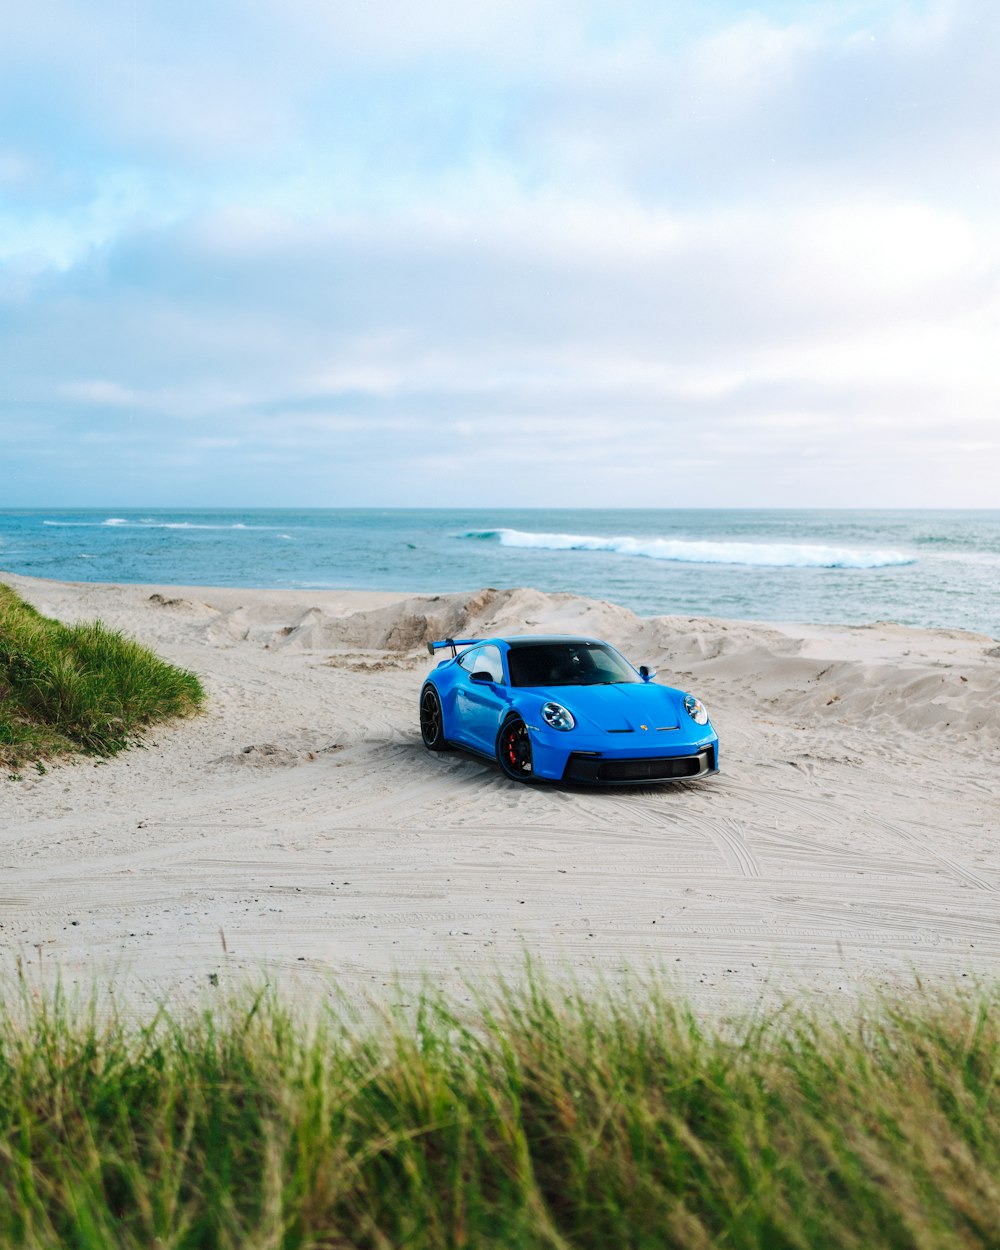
(79, 687)
(555, 1120)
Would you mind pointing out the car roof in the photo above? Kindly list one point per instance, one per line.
(533, 640)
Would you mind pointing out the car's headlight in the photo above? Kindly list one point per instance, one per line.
(557, 717)
(695, 709)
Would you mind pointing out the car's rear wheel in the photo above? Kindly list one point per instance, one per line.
(514, 750)
(432, 720)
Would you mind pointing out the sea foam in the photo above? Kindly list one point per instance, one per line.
(690, 551)
(147, 524)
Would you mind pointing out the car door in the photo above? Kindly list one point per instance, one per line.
(480, 703)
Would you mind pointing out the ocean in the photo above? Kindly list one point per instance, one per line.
(935, 569)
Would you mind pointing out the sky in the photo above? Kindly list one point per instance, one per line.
(530, 252)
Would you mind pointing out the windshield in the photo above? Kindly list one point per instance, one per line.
(568, 664)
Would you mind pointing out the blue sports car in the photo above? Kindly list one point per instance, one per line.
(563, 709)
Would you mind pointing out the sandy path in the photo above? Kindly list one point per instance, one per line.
(852, 838)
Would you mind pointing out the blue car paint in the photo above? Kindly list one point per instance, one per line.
(638, 720)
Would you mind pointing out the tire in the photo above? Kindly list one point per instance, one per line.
(432, 720)
(514, 750)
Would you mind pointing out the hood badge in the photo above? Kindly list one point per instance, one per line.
(643, 726)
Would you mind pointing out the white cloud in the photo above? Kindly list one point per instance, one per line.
(750, 61)
(547, 231)
(98, 391)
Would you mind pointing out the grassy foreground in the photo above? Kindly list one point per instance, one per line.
(78, 687)
(554, 1121)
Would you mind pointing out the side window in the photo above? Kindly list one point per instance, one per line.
(467, 659)
(488, 661)
(483, 660)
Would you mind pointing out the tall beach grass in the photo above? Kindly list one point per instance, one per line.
(553, 1119)
(79, 687)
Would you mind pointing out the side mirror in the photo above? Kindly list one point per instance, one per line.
(482, 679)
(646, 673)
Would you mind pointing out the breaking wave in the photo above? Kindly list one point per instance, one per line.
(154, 525)
(687, 551)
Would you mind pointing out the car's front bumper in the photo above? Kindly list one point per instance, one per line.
(589, 761)
(592, 770)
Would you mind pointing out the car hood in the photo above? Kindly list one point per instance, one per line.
(621, 709)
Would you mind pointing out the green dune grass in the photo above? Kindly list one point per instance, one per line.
(552, 1119)
(79, 687)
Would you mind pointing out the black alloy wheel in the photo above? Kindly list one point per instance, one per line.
(514, 750)
(432, 720)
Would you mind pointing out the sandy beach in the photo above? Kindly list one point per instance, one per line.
(299, 831)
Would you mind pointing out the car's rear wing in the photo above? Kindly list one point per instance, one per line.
(454, 643)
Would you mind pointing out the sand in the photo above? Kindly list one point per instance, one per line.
(298, 831)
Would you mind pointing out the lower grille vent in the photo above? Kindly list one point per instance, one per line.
(588, 769)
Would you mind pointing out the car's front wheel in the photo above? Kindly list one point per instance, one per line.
(514, 750)
(432, 720)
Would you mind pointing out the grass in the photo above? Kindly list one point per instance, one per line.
(80, 687)
(554, 1120)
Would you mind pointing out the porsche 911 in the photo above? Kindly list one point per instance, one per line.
(564, 709)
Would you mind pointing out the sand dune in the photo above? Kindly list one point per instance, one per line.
(851, 840)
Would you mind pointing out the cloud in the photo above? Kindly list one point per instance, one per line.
(503, 246)
(98, 392)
